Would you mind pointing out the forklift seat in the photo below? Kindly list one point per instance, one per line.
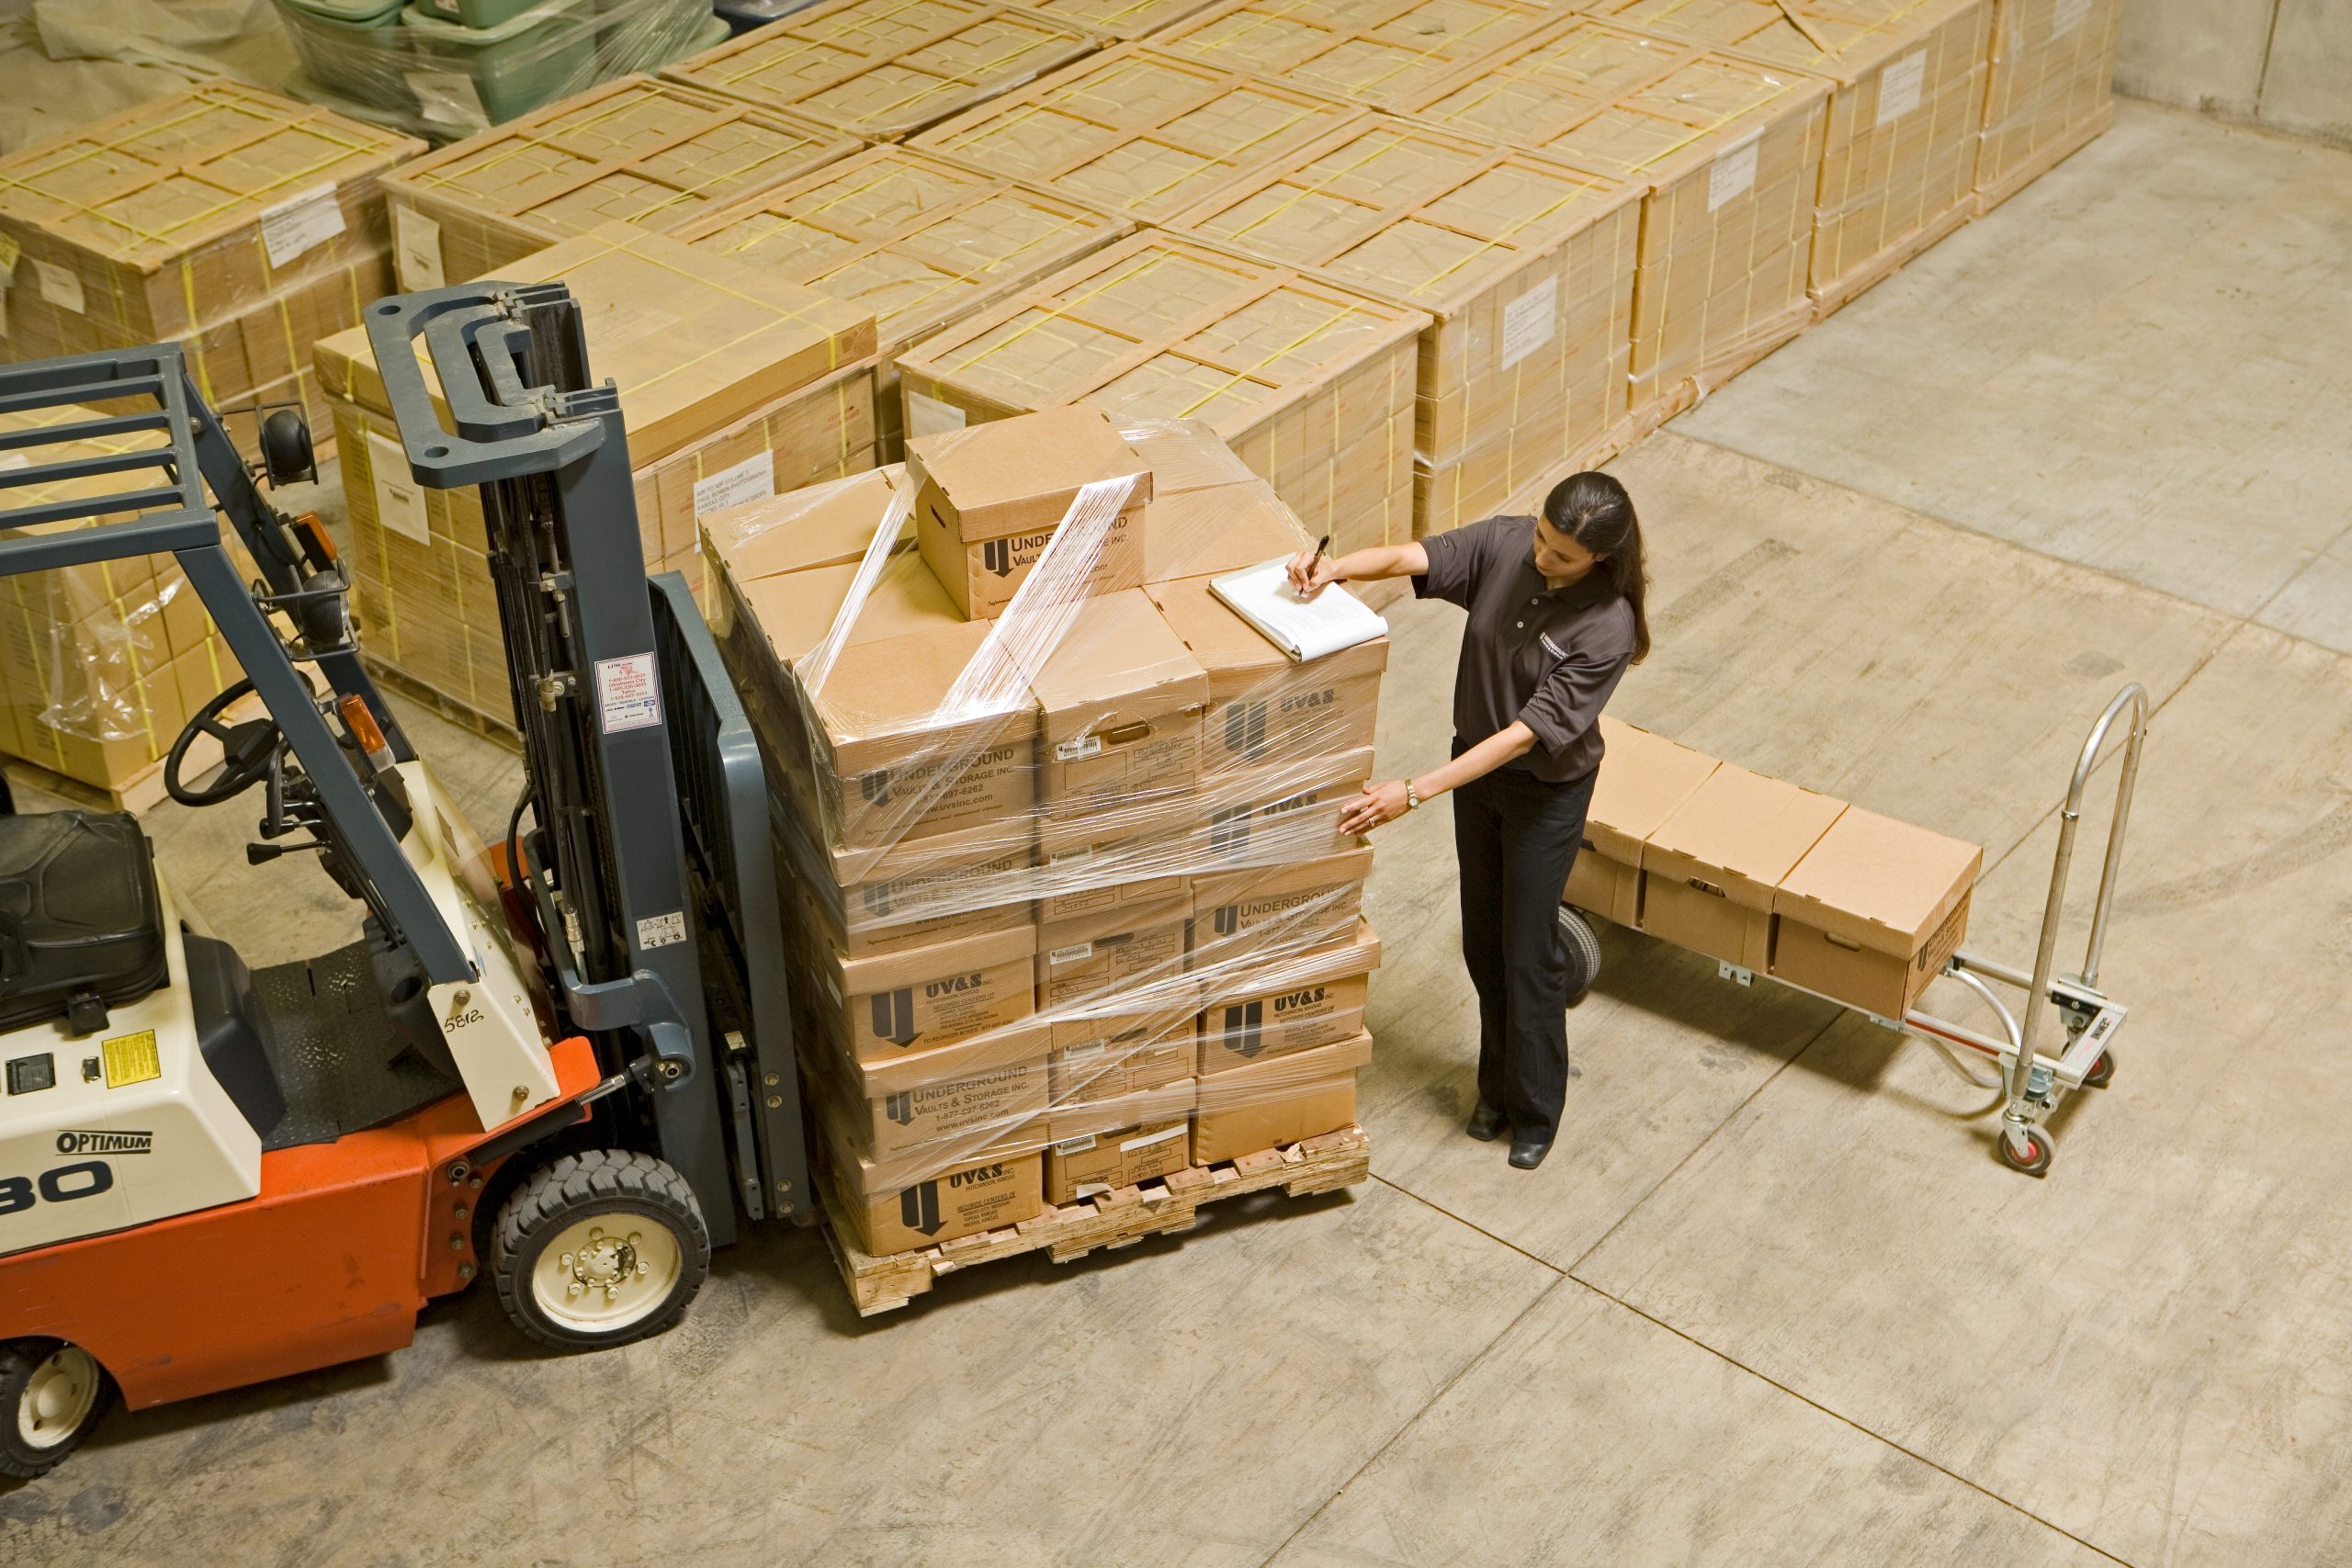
(81, 922)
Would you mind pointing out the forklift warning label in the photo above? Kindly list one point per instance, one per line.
(661, 931)
(628, 695)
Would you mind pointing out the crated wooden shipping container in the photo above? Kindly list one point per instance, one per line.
(1140, 131)
(1898, 164)
(242, 225)
(1311, 383)
(1730, 153)
(884, 69)
(1525, 265)
(1127, 19)
(921, 241)
(634, 150)
(734, 385)
(1380, 52)
(2052, 89)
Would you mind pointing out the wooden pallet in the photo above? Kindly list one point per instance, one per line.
(1166, 1207)
(409, 689)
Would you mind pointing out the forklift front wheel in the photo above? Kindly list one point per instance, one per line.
(599, 1248)
(53, 1394)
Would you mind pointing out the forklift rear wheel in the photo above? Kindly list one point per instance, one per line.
(1581, 950)
(599, 1248)
(55, 1393)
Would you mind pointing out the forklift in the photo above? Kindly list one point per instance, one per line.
(567, 1058)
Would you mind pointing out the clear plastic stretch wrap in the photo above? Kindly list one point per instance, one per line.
(444, 68)
(2051, 88)
(1074, 905)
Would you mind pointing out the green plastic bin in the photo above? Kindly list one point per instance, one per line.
(344, 44)
(529, 60)
(478, 13)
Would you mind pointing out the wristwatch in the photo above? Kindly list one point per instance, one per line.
(1412, 796)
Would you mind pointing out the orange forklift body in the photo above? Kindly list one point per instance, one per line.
(331, 1261)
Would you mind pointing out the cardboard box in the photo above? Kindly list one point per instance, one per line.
(1283, 908)
(1871, 912)
(1093, 1059)
(1115, 963)
(1710, 871)
(931, 889)
(1257, 1008)
(1644, 779)
(884, 69)
(890, 1006)
(1377, 52)
(944, 1103)
(1214, 530)
(824, 524)
(989, 500)
(2050, 89)
(1092, 1164)
(921, 241)
(1729, 154)
(187, 212)
(1899, 160)
(1310, 383)
(1084, 867)
(1271, 1105)
(1122, 697)
(1264, 705)
(1279, 814)
(637, 151)
(1138, 131)
(1525, 265)
(993, 1191)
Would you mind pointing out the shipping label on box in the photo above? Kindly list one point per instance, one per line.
(1094, 1163)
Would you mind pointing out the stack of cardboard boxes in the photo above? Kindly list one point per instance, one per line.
(1063, 829)
(240, 225)
(734, 384)
(1769, 878)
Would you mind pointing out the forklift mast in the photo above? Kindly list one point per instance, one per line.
(649, 866)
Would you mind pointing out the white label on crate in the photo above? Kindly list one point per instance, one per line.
(1898, 87)
(1077, 750)
(1132, 1144)
(1069, 855)
(628, 695)
(399, 499)
(10, 251)
(416, 249)
(2071, 14)
(1074, 1145)
(1529, 322)
(1091, 1048)
(754, 479)
(13, 460)
(300, 224)
(661, 931)
(1734, 173)
(59, 287)
(929, 416)
(449, 97)
(1071, 953)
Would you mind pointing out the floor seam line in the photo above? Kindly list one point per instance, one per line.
(1411, 1421)
(1394, 1186)
(1843, 1419)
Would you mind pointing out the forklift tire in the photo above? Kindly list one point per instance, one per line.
(1580, 950)
(599, 1248)
(52, 1394)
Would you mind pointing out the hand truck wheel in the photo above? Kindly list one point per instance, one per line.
(2102, 1071)
(2035, 1161)
(1579, 951)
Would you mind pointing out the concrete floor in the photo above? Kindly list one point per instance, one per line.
(1773, 1301)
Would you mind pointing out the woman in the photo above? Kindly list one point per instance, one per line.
(1555, 616)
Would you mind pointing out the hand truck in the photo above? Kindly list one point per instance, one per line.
(2032, 1085)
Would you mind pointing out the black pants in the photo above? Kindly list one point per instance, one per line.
(1516, 836)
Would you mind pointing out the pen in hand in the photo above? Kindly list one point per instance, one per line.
(1306, 589)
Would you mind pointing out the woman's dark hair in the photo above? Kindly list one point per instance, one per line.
(1594, 509)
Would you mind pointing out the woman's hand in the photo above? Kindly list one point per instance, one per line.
(1378, 805)
(1311, 571)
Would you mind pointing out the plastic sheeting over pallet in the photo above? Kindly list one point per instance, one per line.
(1312, 384)
(1071, 875)
(1379, 52)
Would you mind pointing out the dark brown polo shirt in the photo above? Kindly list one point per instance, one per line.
(1549, 656)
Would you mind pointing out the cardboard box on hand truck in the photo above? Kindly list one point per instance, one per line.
(1711, 870)
(1644, 779)
(1871, 912)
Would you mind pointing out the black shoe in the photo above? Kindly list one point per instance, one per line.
(1486, 1124)
(1526, 1154)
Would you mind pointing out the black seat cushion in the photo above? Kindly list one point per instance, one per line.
(81, 924)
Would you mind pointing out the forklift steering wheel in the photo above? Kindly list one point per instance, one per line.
(248, 751)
